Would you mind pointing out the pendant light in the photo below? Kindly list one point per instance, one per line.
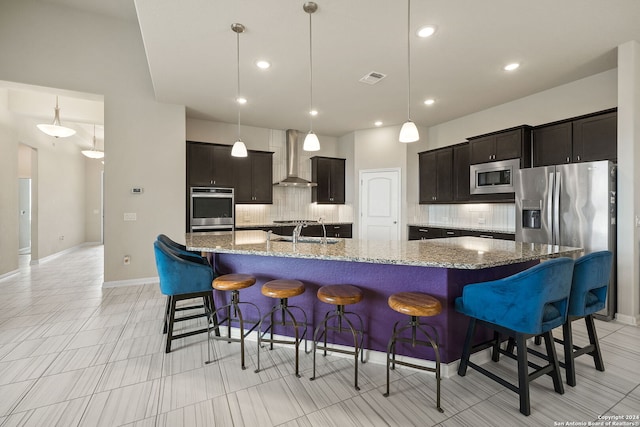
(93, 153)
(56, 129)
(238, 149)
(311, 142)
(409, 131)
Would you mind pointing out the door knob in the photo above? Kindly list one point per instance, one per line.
(395, 222)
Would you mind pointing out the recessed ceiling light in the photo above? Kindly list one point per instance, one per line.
(313, 112)
(511, 67)
(378, 123)
(429, 101)
(241, 100)
(426, 31)
(262, 64)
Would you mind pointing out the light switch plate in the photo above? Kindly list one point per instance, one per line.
(130, 216)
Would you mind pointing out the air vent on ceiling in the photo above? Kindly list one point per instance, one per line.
(373, 78)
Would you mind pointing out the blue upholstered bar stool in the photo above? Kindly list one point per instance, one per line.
(183, 276)
(340, 296)
(591, 275)
(283, 289)
(415, 305)
(522, 306)
(233, 313)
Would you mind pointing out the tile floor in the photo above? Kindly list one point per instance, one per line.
(75, 354)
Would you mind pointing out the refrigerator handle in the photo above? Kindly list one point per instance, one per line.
(556, 209)
(549, 205)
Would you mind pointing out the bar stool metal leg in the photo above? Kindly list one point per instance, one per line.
(340, 315)
(285, 311)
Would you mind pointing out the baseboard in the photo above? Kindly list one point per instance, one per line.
(10, 273)
(24, 251)
(628, 320)
(131, 282)
(57, 254)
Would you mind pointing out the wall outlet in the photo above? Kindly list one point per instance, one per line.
(126, 260)
(130, 216)
(481, 221)
(61, 237)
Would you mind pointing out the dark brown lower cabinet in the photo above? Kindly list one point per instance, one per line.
(425, 233)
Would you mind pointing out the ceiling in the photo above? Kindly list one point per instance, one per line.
(191, 52)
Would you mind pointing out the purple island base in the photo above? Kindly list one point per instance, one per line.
(378, 282)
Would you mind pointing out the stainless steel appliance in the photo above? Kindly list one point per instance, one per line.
(211, 209)
(570, 205)
(493, 177)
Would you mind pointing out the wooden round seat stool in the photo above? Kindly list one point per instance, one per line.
(415, 305)
(340, 296)
(233, 283)
(283, 289)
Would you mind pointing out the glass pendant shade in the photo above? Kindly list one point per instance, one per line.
(93, 154)
(311, 142)
(239, 149)
(56, 129)
(409, 132)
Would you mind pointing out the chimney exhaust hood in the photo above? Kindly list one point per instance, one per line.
(292, 179)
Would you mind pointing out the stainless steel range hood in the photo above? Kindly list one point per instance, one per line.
(292, 179)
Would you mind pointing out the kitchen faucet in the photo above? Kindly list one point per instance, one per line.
(297, 231)
(324, 230)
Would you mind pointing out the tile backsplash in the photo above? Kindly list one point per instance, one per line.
(290, 203)
(491, 216)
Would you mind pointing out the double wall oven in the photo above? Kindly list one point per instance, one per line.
(211, 209)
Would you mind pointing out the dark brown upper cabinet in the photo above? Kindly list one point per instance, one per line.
(461, 184)
(436, 176)
(253, 177)
(209, 165)
(580, 139)
(212, 165)
(507, 144)
(329, 174)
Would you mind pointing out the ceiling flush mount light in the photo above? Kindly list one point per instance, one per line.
(409, 131)
(426, 31)
(93, 153)
(429, 101)
(377, 123)
(262, 64)
(238, 149)
(311, 142)
(56, 129)
(512, 66)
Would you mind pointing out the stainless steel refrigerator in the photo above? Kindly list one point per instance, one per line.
(570, 205)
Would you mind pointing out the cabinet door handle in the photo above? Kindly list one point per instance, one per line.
(568, 159)
(486, 236)
(578, 158)
(423, 230)
(450, 233)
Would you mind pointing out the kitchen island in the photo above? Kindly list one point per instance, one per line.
(439, 267)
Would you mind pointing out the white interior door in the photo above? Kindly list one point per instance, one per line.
(380, 199)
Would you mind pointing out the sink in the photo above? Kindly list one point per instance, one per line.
(304, 239)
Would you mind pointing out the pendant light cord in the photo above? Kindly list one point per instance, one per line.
(408, 60)
(238, 79)
(310, 75)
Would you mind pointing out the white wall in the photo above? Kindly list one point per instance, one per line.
(144, 139)
(8, 192)
(93, 200)
(628, 182)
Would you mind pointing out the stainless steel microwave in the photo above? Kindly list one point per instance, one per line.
(494, 177)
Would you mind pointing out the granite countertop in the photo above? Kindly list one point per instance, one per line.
(455, 252)
(467, 228)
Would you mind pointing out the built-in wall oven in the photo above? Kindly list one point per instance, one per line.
(211, 209)
(494, 177)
